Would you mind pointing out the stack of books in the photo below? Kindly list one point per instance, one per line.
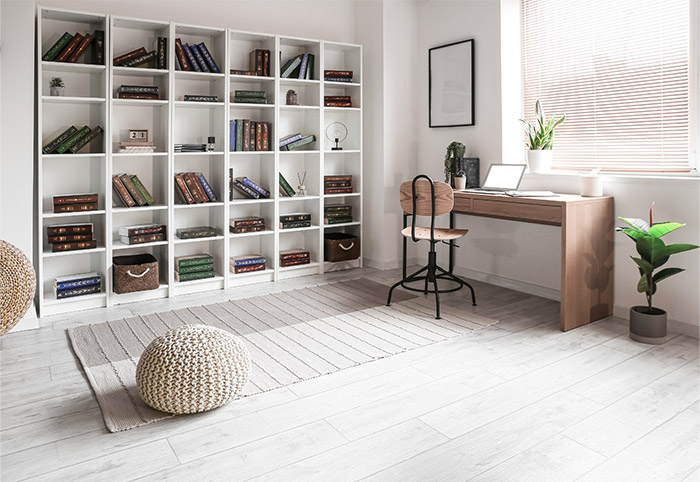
(337, 101)
(293, 257)
(195, 266)
(68, 203)
(248, 135)
(145, 233)
(286, 188)
(196, 232)
(69, 48)
(337, 184)
(247, 224)
(144, 92)
(249, 188)
(247, 263)
(77, 285)
(71, 140)
(190, 148)
(130, 191)
(195, 57)
(296, 141)
(249, 97)
(199, 98)
(259, 64)
(295, 220)
(193, 188)
(337, 75)
(299, 67)
(140, 56)
(337, 214)
(71, 237)
(137, 147)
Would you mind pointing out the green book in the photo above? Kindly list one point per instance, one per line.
(239, 134)
(142, 189)
(193, 259)
(85, 140)
(258, 94)
(53, 145)
(195, 268)
(57, 47)
(339, 220)
(73, 140)
(131, 187)
(286, 186)
(194, 276)
(249, 100)
(304, 141)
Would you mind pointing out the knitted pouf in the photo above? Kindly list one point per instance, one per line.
(192, 369)
(17, 285)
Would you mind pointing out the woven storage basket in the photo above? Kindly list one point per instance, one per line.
(341, 247)
(138, 272)
(192, 369)
(17, 285)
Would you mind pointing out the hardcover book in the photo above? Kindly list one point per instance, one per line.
(289, 139)
(248, 269)
(247, 260)
(200, 98)
(98, 48)
(190, 58)
(63, 137)
(246, 221)
(162, 53)
(85, 130)
(304, 141)
(86, 140)
(284, 185)
(195, 268)
(131, 187)
(142, 59)
(142, 229)
(84, 290)
(248, 100)
(182, 190)
(124, 58)
(194, 276)
(126, 95)
(295, 262)
(70, 208)
(338, 220)
(69, 48)
(290, 66)
(255, 186)
(337, 190)
(76, 281)
(69, 238)
(304, 65)
(198, 187)
(193, 259)
(80, 228)
(142, 189)
(205, 186)
(256, 61)
(57, 247)
(337, 178)
(181, 57)
(295, 217)
(245, 190)
(266, 63)
(247, 229)
(145, 238)
(211, 63)
(56, 48)
(296, 253)
(80, 49)
(196, 232)
(75, 198)
(138, 89)
(192, 185)
(199, 58)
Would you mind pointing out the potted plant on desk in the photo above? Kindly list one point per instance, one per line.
(455, 151)
(541, 140)
(648, 323)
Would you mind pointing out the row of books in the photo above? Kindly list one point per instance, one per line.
(296, 141)
(248, 187)
(259, 64)
(70, 237)
(77, 285)
(144, 92)
(299, 67)
(337, 101)
(190, 148)
(249, 135)
(68, 203)
(69, 48)
(246, 224)
(144, 233)
(130, 191)
(249, 97)
(247, 263)
(294, 257)
(193, 188)
(195, 57)
(295, 220)
(72, 140)
(194, 267)
(140, 56)
(338, 184)
(196, 232)
(337, 75)
(337, 214)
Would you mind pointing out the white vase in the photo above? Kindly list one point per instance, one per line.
(57, 91)
(540, 160)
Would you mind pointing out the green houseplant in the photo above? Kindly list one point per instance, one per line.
(56, 86)
(541, 139)
(454, 151)
(648, 323)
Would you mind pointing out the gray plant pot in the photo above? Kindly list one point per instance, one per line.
(648, 327)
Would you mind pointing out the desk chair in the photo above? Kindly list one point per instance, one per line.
(429, 198)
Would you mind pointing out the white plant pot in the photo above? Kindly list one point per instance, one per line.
(57, 91)
(460, 183)
(540, 160)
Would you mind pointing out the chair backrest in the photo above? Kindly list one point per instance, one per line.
(444, 197)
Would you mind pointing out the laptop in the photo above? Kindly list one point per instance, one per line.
(500, 178)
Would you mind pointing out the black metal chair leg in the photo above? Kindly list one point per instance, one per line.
(437, 295)
(461, 281)
(406, 279)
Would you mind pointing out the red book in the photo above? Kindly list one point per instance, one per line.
(73, 246)
(122, 59)
(337, 178)
(68, 49)
(129, 95)
(183, 191)
(285, 255)
(192, 184)
(337, 190)
(69, 238)
(70, 208)
(84, 228)
(87, 40)
(265, 136)
(247, 269)
(266, 63)
(198, 186)
(75, 199)
(295, 262)
(258, 136)
(181, 57)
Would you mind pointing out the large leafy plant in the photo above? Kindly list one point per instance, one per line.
(541, 135)
(653, 252)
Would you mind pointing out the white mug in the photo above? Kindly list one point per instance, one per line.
(460, 183)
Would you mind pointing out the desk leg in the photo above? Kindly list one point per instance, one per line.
(587, 262)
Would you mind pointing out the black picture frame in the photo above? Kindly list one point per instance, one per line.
(451, 84)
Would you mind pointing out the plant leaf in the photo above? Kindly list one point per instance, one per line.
(643, 285)
(632, 233)
(665, 273)
(658, 230)
(679, 248)
(653, 250)
(645, 266)
(639, 224)
(539, 110)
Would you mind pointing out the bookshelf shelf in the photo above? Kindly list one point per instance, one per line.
(91, 99)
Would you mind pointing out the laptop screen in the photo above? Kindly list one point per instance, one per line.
(504, 176)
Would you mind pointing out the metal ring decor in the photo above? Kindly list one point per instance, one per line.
(17, 285)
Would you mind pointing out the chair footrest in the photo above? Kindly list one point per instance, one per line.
(430, 290)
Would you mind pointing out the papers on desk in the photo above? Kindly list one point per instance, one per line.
(531, 194)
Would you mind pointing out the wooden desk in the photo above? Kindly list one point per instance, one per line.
(587, 229)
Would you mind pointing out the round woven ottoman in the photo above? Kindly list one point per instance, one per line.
(192, 369)
(17, 285)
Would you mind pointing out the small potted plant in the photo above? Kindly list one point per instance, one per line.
(648, 323)
(56, 86)
(541, 140)
(454, 152)
(460, 180)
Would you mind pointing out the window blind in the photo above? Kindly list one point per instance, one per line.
(619, 70)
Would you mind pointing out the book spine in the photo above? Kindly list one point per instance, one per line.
(337, 104)
(295, 217)
(143, 231)
(242, 72)
(80, 49)
(138, 89)
(258, 94)
(193, 233)
(304, 64)
(181, 57)
(248, 261)
(239, 134)
(129, 185)
(259, 67)
(341, 220)
(301, 143)
(253, 126)
(200, 59)
(56, 48)
(186, 196)
(141, 60)
(123, 59)
(84, 198)
(70, 208)
(299, 255)
(232, 135)
(295, 262)
(246, 229)
(337, 73)
(337, 98)
(78, 283)
(310, 68)
(338, 79)
(86, 140)
(295, 224)
(146, 238)
(195, 268)
(162, 57)
(337, 190)
(230, 184)
(200, 98)
(181, 263)
(252, 62)
(246, 135)
(248, 269)
(289, 139)
(266, 63)
(198, 186)
(57, 247)
(248, 100)
(194, 276)
(192, 186)
(142, 189)
(65, 135)
(246, 222)
(258, 136)
(87, 290)
(127, 95)
(190, 58)
(286, 186)
(245, 190)
(69, 229)
(207, 188)
(69, 238)
(68, 50)
(266, 136)
(337, 178)
(98, 48)
(208, 58)
(338, 184)
(254, 185)
(73, 139)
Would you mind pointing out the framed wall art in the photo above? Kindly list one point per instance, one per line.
(451, 84)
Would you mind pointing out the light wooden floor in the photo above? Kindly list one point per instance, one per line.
(520, 401)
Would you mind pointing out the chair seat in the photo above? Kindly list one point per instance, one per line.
(441, 234)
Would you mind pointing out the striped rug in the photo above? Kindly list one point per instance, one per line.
(291, 336)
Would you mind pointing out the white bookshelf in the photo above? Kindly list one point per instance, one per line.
(91, 99)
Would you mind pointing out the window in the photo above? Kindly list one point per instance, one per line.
(619, 70)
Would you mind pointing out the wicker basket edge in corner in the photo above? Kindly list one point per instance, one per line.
(17, 285)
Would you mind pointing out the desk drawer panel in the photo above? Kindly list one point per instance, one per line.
(463, 204)
(528, 212)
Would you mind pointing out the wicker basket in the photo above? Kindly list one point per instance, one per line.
(341, 247)
(138, 272)
(17, 285)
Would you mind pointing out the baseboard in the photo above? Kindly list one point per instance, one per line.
(384, 265)
(677, 326)
(492, 279)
